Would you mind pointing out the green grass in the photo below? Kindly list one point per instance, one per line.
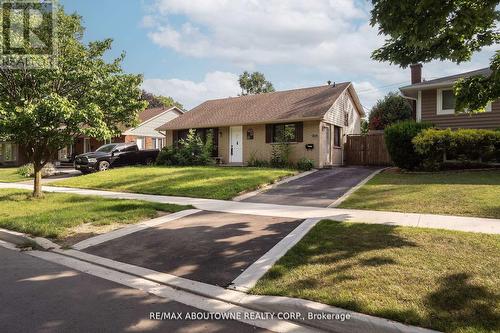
(199, 182)
(454, 193)
(10, 175)
(438, 279)
(56, 214)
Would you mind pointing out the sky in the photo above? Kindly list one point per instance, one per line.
(194, 50)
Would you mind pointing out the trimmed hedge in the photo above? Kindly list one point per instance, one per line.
(472, 145)
(398, 139)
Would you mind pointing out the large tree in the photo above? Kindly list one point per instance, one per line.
(158, 101)
(389, 110)
(425, 30)
(254, 83)
(84, 95)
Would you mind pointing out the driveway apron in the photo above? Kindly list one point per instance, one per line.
(319, 189)
(209, 247)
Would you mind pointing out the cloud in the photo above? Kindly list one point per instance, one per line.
(368, 94)
(331, 36)
(190, 94)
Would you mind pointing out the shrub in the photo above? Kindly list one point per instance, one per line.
(392, 109)
(190, 151)
(281, 150)
(28, 170)
(398, 139)
(465, 145)
(254, 161)
(305, 164)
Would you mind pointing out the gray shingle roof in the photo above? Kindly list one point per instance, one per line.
(448, 79)
(297, 104)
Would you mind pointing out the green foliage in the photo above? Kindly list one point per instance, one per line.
(84, 95)
(282, 149)
(398, 139)
(254, 83)
(364, 126)
(254, 161)
(474, 92)
(158, 101)
(470, 145)
(422, 31)
(389, 110)
(305, 164)
(26, 170)
(190, 151)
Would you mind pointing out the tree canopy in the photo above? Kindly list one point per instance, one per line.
(389, 110)
(84, 95)
(158, 101)
(254, 83)
(425, 30)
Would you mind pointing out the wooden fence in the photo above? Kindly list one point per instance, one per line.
(367, 149)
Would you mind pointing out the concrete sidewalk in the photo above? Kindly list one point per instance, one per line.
(459, 223)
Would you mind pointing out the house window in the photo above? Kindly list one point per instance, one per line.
(279, 131)
(7, 152)
(445, 101)
(86, 145)
(140, 142)
(337, 134)
(157, 143)
(250, 134)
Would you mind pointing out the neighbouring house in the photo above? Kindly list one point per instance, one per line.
(144, 135)
(434, 101)
(246, 127)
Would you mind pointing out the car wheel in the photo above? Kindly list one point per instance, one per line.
(103, 165)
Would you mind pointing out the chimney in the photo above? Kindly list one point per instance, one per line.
(416, 73)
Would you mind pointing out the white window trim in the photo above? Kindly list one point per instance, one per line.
(143, 140)
(439, 107)
(419, 106)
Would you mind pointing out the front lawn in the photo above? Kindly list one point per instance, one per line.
(454, 193)
(438, 279)
(199, 182)
(10, 175)
(63, 216)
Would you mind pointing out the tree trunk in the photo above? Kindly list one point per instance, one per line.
(37, 190)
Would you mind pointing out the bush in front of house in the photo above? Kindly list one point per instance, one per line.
(190, 151)
(389, 110)
(474, 146)
(398, 139)
(28, 170)
(305, 164)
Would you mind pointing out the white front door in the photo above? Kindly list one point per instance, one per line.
(236, 144)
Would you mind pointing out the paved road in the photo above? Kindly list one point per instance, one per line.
(39, 296)
(209, 247)
(319, 189)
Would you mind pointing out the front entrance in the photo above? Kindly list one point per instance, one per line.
(236, 144)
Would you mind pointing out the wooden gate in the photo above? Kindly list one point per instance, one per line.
(367, 149)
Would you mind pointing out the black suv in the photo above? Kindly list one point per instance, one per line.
(113, 155)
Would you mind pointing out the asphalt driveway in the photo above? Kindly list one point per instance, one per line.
(40, 296)
(209, 247)
(319, 189)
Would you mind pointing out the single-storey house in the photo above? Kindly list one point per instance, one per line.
(434, 102)
(144, 135)
(248, 126)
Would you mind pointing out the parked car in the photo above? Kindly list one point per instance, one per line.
(113, 155)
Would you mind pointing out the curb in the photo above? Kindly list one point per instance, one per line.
(20, 239)
(310, 311)
(271, 186)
